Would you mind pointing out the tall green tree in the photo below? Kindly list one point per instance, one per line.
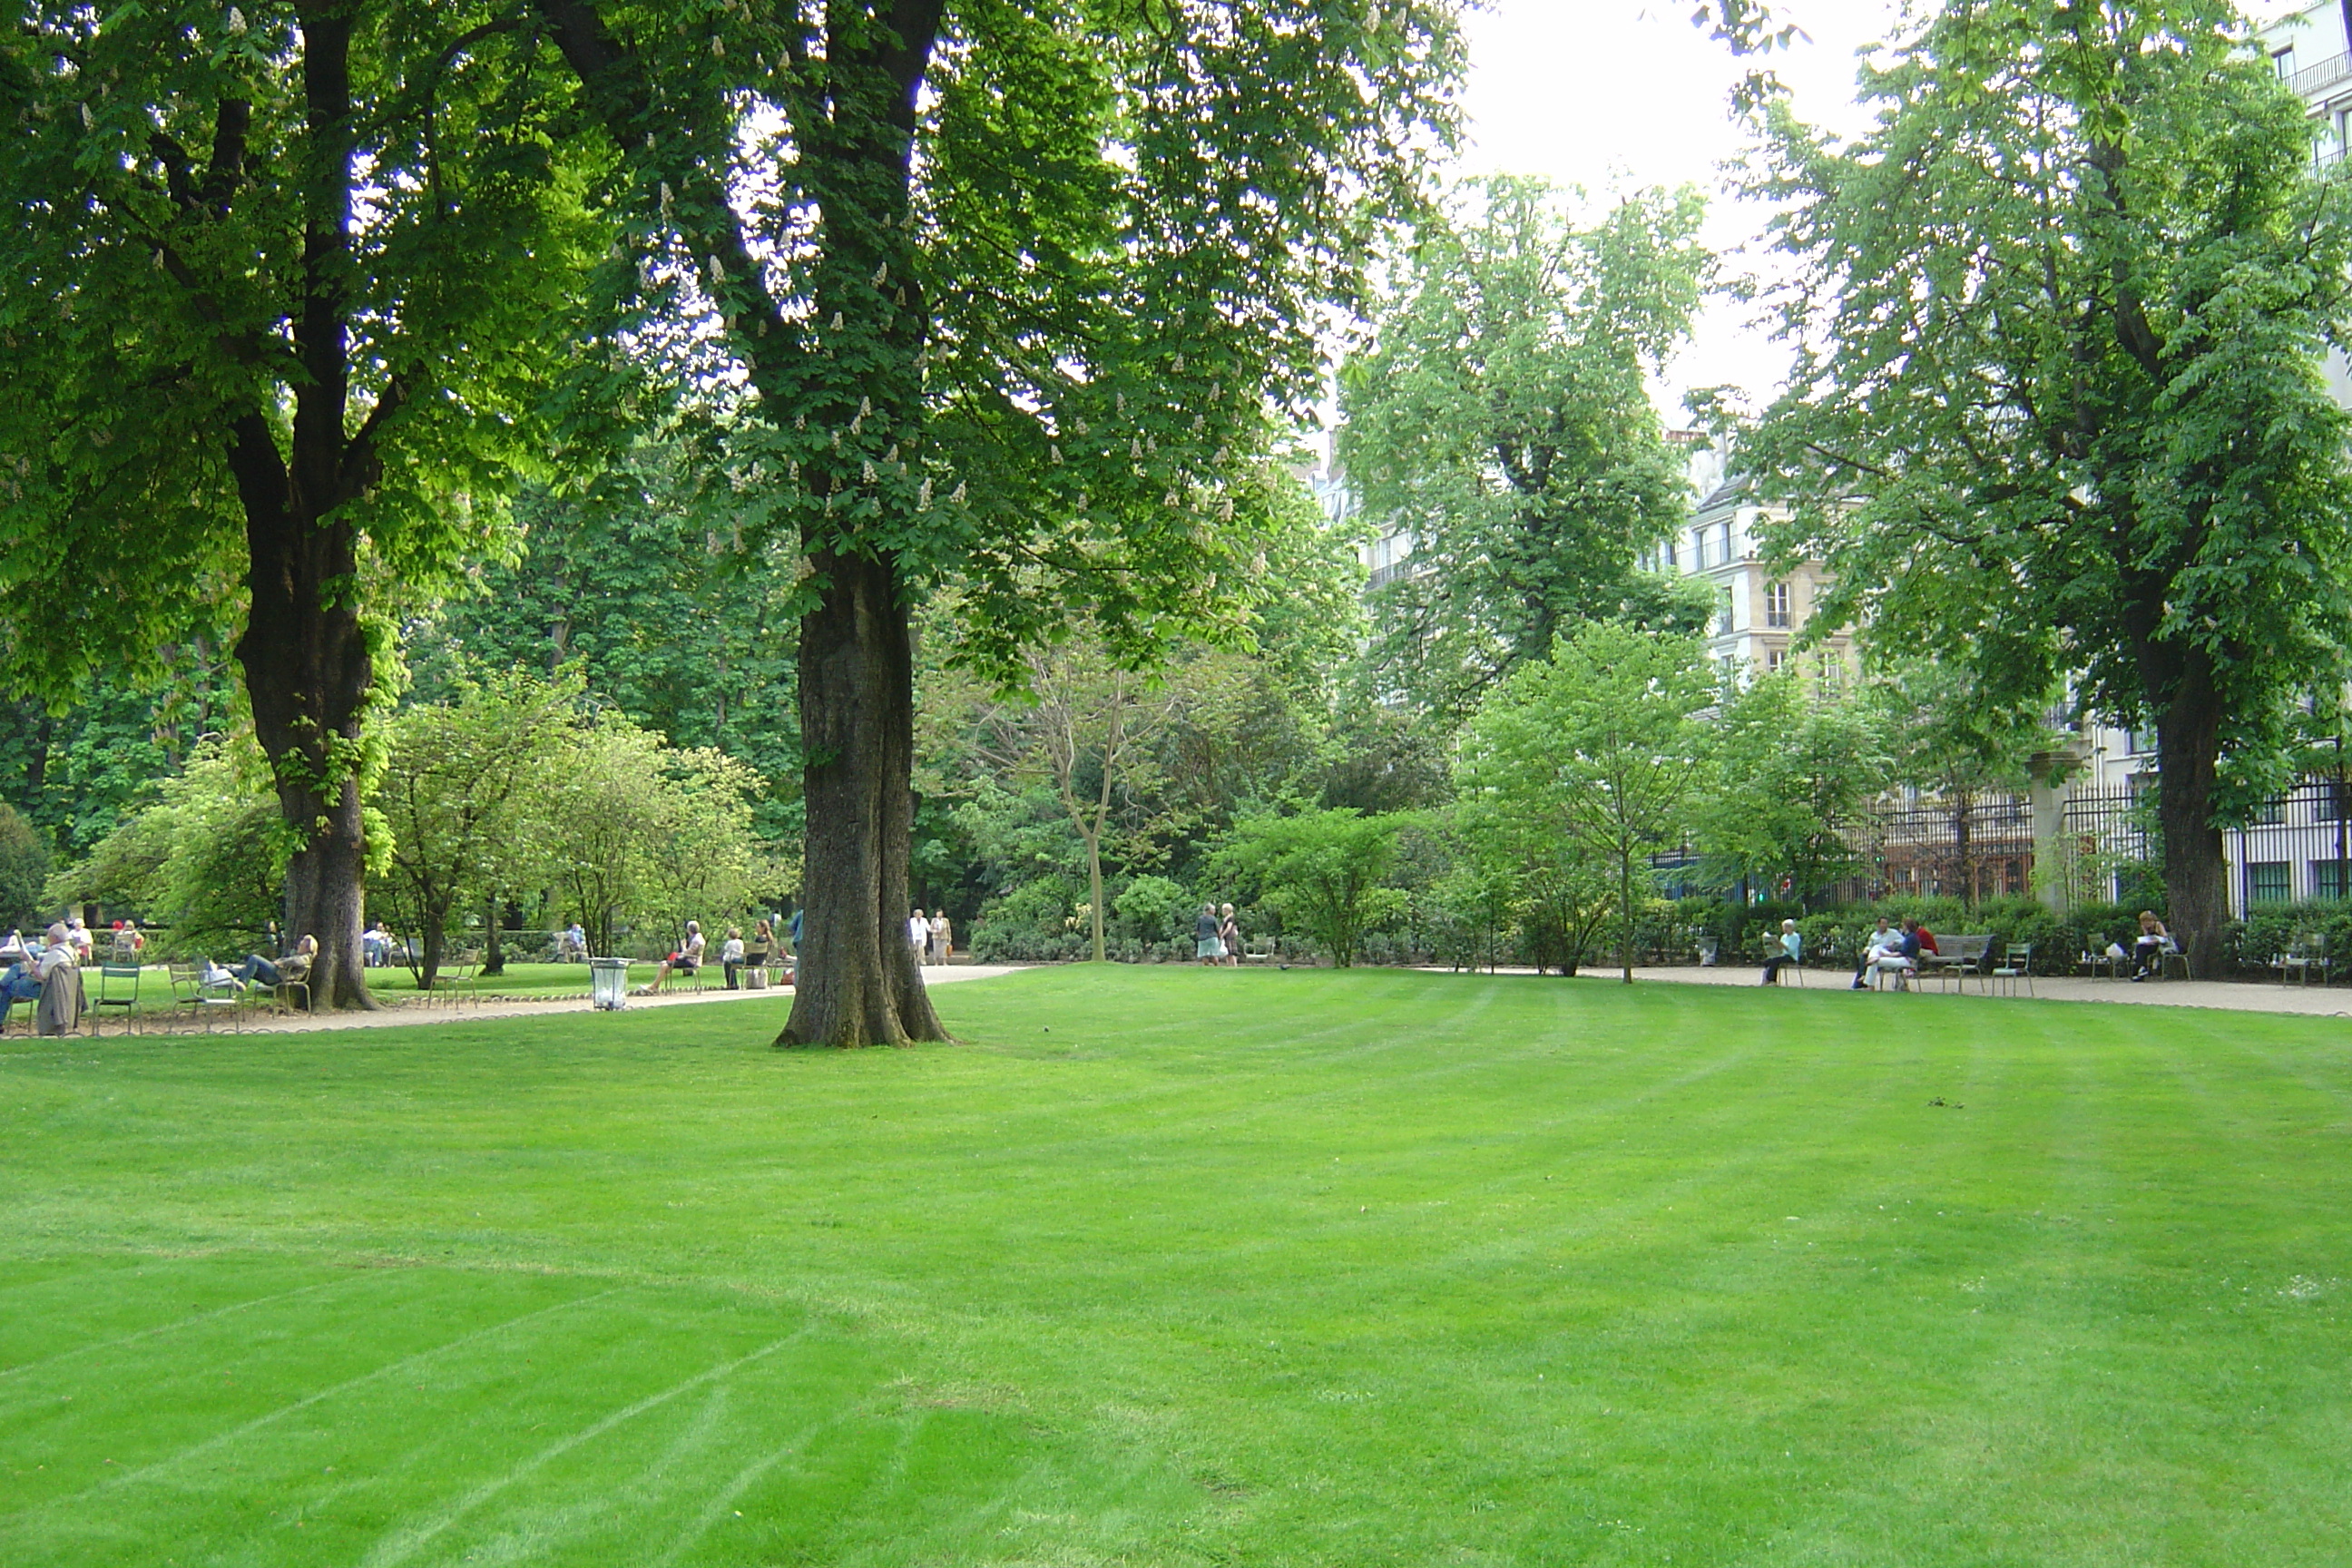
(284, 287)
(1598, 747)
(1502, 414)
(2057, 406)
(635, 578)
(1021, 284)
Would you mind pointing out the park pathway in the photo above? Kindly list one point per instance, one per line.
(2229, 995)
(525, 1006)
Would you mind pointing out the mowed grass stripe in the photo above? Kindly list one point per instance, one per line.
(1175, 1266)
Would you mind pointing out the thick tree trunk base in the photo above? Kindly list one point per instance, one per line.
(324, 898)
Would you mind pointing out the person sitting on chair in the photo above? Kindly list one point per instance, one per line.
(687, 960)
(1882, 941)
(731, 958)
(294, 966)
(1902, 958)
(2153, 942)
(25, 978)
(1789, 949)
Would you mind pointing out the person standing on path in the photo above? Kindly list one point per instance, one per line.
(919, 935)
(942, 936)
(1229, 936)
(1207, 947)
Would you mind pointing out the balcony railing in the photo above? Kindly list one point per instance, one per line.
(2325, 74)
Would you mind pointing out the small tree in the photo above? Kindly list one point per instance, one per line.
(1325, 870)
(1086, 727)
(208, 859)
(701, 860)
(1794, 770)
(455, 795)
(1598, 745)
(590, 822)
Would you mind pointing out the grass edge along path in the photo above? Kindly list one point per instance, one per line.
(1166, 1267)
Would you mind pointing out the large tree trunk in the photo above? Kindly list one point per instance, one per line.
(858, 983)
(2195, 872)
(308, 672)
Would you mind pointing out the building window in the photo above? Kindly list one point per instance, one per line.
(1670, 553)
(2267, 883)
(1773, 658)
(2283, 60)
(2335, 798)
(1833, 673)
(2269, 814)
(1776, 604)
(2327, 879)
(1725, 541)
(1723, 613)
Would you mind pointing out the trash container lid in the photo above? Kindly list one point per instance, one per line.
(608, 963)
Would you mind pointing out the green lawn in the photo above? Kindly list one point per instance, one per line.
(1173, 1267)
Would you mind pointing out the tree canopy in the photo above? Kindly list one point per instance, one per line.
(1502, 415)
(1022, 286)
(2057, 407)
(253, 371)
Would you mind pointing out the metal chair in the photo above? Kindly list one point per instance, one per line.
(2018, 965)
(118, 986)
(202, 1001)
(2309, 953)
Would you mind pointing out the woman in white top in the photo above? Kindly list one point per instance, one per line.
(685, 961)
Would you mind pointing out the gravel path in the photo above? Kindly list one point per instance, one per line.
(533, 1008)
(2231, 995)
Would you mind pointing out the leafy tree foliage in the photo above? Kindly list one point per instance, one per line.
(2057, 405)
(1793, 770)
(1325, 872)
(76, 772)
(636, 580)
(1597, 748)
(207, 858)
(625, 828)
(23, 868)
(1502, 414)
(1022, 284)
(253, 367)
(456, 800)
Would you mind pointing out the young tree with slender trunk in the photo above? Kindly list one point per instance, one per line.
(1087, 727)
(1597, 747)
(2058, 407)
(283, 289)
(1012, 286)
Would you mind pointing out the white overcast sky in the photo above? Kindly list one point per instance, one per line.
(1599, 93)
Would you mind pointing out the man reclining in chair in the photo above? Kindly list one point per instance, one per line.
(295, 968)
